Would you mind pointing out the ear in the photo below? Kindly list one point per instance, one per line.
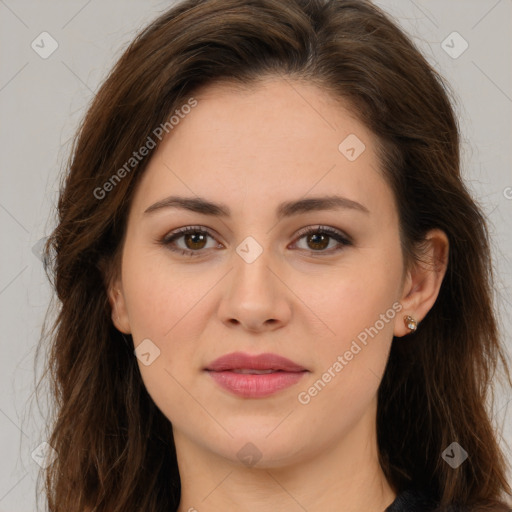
(423, 281)
(118, 305)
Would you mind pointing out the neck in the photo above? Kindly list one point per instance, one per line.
(345, 476)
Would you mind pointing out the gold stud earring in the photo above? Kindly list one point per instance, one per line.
(410, 323)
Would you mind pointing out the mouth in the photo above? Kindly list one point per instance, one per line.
(256, 376)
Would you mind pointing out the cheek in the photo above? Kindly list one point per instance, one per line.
(160, 305)
(360, 311)
(353, 297)
(159, 295)
(166, 304)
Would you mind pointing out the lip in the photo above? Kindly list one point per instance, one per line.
(281, 373)
(266, 361)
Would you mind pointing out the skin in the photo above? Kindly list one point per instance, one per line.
(250, 150)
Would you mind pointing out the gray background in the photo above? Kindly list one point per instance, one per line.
(42, 101)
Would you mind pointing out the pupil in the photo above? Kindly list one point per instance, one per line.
(322, 246)
(193, 236)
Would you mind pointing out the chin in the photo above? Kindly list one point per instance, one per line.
(260, 451)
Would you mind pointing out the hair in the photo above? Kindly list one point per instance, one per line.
(115, 447)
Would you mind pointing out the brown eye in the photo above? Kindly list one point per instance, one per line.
(319, 241)
(319, 238)
(194, 238)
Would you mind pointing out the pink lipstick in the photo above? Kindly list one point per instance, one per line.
(254, 376)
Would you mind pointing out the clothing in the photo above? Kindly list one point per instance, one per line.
(413, 500)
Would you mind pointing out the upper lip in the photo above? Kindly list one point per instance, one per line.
(242, 361)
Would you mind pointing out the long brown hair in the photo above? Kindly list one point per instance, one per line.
(115, 448)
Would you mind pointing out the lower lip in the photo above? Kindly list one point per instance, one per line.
(249, 385)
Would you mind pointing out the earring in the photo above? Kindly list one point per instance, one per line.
(410, 323)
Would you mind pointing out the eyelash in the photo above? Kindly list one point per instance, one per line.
(331, 232)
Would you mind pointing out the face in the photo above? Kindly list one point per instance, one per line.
(248, 277)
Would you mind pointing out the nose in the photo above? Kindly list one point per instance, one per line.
(255, 297)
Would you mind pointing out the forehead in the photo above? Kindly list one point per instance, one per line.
(276, 139)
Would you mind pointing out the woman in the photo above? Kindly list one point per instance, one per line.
(276, 290)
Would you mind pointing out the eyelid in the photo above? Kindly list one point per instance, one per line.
(179, 232)
(320, 228)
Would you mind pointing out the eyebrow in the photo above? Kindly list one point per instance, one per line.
(285, 209)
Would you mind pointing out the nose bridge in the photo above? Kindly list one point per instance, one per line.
(253, 298)
(252, 262)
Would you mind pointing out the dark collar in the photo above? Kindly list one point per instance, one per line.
(413, 500)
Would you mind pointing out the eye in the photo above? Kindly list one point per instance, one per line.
(195, 239)
(319, 238)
